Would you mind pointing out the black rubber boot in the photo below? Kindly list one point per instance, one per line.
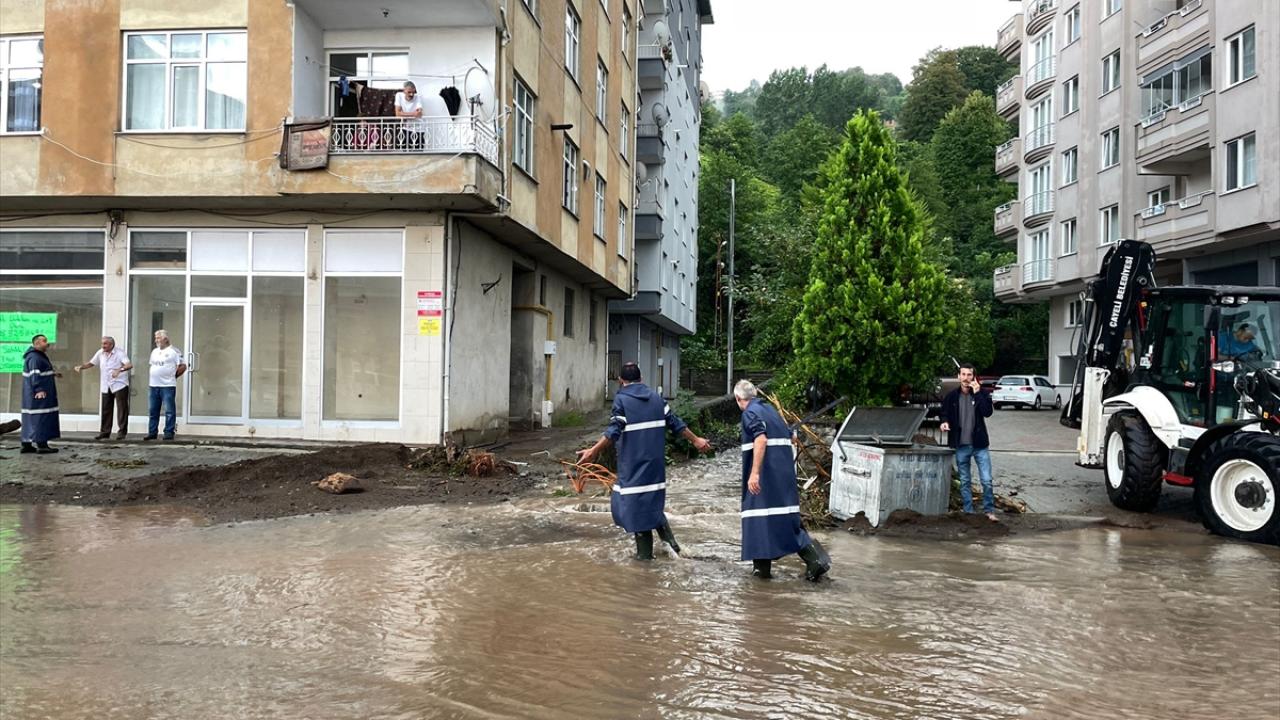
(664, 532)
(644, 545)
(762, 569)
(816, 561)
(44, 449)
(27, 448)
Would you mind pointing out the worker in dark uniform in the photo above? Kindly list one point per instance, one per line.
(641, 419)
(771, 526)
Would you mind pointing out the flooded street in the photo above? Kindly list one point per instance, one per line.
(534, 609)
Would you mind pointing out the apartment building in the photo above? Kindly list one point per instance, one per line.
(1150, 119)
(234, 171)
(647, 327)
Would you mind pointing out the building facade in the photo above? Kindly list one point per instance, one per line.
(1157, 120)
(443, 276)
(647, 328)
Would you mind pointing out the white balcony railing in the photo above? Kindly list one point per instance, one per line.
(1005, 86)
(1037, 204)
(1037, 271)
(1163, 22)
(413, 136)
(1040, 7)
(1038, 137)
(655, 52)
(1043, 70)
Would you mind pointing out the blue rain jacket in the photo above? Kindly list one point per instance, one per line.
(39, 417)
(771, 526)
(638, 428)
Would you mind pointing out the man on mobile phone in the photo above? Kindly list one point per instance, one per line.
(964, 414)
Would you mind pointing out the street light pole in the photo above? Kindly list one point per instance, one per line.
(733, 207)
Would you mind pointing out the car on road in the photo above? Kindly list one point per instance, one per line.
(1026, 391)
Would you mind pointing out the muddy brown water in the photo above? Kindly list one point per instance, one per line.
(533, 609)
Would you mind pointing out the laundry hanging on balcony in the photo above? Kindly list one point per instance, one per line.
(452, 99)
(376, 102)
(346, 100)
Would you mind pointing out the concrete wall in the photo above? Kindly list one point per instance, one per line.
(310, 73)
(480, 334)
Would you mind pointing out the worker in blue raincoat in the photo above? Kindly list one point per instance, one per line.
(641, 419)
(771, 526)
(39, 399)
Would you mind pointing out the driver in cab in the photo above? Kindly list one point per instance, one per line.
(1237, 344)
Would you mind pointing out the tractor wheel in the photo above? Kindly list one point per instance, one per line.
(1237, 487)
(1134, 463)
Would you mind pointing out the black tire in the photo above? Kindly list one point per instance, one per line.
(1141, 461)
(1057, 402)
(1257, 456)
(1036, 405)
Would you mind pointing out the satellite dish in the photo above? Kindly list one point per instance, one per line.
(642, 173)
(661, 33)
(660, 114)
(477, 93)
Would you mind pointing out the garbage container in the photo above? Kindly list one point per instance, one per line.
(877, 468)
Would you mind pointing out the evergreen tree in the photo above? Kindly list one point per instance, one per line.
(937, 85)
(875, 313)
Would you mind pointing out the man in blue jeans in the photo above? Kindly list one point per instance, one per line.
(166, 367)
(964, 413)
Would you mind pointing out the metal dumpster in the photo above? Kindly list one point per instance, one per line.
(876, 467)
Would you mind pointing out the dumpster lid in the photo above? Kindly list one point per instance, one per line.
(882, 425)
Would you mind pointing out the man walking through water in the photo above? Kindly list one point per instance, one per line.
(771, 526)
(39, 399)
(641, 419)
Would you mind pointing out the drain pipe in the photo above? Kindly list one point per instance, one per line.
(447, 327)
(551, 320)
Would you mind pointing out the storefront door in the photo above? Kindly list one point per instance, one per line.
(217, 372)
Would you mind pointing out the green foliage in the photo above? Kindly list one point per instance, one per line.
(983, 68)
(830, 96)
(937, 85)
(569, 418)
(792, 158)
(741, 102)
(874, 314)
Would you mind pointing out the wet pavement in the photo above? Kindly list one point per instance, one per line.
(534, 609)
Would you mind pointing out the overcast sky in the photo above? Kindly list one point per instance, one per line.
(751, 38)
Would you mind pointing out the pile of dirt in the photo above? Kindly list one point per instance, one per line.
(282, 485)
(959, 525)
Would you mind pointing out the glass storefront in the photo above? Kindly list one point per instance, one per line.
(275, 366)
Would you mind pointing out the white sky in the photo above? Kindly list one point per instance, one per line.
(751, 38)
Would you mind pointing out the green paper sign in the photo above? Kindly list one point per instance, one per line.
(11, 356)
(20, 327)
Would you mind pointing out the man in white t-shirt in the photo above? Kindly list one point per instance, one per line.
(409, 105)
(166, 367)
(114, 367)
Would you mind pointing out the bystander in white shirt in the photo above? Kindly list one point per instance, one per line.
(108, 363)
(164, 366)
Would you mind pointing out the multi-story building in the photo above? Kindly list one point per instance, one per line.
(1150, 119)
(647, 328)
(441, 276)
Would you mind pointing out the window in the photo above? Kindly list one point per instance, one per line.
(542, 290)
(524, 127)
(1070, 166)
(568, 312)
(569, 198)
(626, 30)
(1042, 59)
(591, 320)
(380, 69)
(21, 67)
(1040, 199)
(602, 91)
(1110, 225)
(1111, 7)
(1177, 83)
(1040, 268)
(572, 41)
(1073, 24)
(598, 221)
(624, 126)
(1071, 96)
(1156, 198)
(622, 230)
(1068, 237)
(1110, 72)
(1241, 163)
(185, 80)
(1240, 57)
(531, 6)
(1111, 148)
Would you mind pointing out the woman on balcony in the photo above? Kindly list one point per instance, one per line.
(409, 105)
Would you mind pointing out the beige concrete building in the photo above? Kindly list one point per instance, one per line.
(443, 275)
(1150, 119)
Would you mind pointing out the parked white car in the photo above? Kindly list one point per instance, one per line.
(1033, 391)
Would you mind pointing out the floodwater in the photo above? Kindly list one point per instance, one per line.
(534, 609)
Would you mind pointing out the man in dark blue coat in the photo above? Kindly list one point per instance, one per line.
(641, 419)
(771, 525)
(39, 399)
(964, 414)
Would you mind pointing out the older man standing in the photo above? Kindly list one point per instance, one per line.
(39, 399)
(771, 526)
(166, 367)
(114, 367)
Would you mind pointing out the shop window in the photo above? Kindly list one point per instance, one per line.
(220, 251)
(276, 354)
(156, 302)
(67, 309)
(361, 348)
(157, 250)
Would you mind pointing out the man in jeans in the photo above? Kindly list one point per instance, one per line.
(964, 413)
(166, 367)
(114, 367)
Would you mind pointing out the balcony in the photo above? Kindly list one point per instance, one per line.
(1037, 143)
(1007, 218)
(1179, 226)
(1009, 97)
(1037, 208)
(651, 67)
(1007, 157)
(650, 147)
(1009, 38)
(425, 136)
(1038, 272)
(1040, 14)
(1006, 283)
(1178, 135)
(1173, 35)
(1039, 77)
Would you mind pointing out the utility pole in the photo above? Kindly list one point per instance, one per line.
(733, 208)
